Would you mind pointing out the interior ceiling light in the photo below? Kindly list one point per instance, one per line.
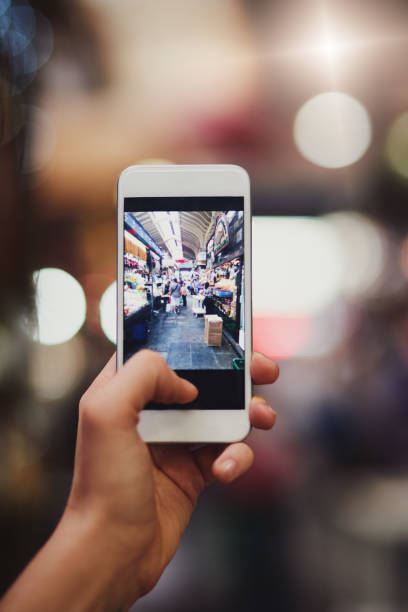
(168, 224)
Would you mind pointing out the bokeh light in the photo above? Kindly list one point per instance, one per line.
(397, 145)
(297, 265)
(107, 310)
(27, 38)
(23, 67)
(61, 306)
(17, 27)
(364, 251)
(4, 5)
(332, 130)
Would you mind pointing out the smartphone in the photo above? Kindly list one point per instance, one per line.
(184, 290)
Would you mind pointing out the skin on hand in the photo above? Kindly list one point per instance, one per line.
(144, 495)
(130, 502)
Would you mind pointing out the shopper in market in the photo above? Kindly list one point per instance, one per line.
(174, 292)
(196, 286)
(183, 292)
(207, 299)
(129, 503)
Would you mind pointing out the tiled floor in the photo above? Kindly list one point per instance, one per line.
(180, 339)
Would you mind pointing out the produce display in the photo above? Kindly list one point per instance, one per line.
(134, 292)
(225, 296)
(131, 276)
(225, 284)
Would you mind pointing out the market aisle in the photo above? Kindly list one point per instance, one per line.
(180, 340)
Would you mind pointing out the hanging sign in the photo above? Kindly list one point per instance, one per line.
(221, 234)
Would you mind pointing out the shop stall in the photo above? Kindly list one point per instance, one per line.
(142, 262)
(224, 273)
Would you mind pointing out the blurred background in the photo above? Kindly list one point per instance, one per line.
(311, 98)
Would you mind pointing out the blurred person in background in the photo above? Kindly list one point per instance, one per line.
(183, 292)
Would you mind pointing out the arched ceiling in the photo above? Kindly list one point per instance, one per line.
(196, 228)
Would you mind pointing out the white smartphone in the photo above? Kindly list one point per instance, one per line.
(184, 290)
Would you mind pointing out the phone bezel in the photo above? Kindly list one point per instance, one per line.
(192, 426)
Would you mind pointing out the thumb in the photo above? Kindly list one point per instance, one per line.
(144, 378)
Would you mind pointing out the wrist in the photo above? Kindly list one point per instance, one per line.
(77, 569)
(89, 544)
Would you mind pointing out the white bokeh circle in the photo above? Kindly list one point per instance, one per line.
(107, 312)
(60, 306)
(332, 130)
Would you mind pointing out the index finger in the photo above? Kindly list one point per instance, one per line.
(146, 377)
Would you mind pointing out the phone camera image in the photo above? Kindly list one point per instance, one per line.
(183, 289)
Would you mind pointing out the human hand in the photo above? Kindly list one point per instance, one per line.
(138, 498)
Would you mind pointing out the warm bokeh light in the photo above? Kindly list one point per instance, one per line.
(297, 265)
(107, 311)
(332, 130)
(61, 306)
(397, 145)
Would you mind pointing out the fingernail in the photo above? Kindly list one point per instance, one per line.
(229, 467)
(259, 399)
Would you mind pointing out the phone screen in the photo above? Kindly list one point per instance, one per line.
(183, 291)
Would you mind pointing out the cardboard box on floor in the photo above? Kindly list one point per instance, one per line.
(213, 330)
(213, 340)
(213, 323)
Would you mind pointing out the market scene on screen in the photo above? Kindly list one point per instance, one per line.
(184, 287)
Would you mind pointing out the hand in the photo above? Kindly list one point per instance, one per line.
(139, 498)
